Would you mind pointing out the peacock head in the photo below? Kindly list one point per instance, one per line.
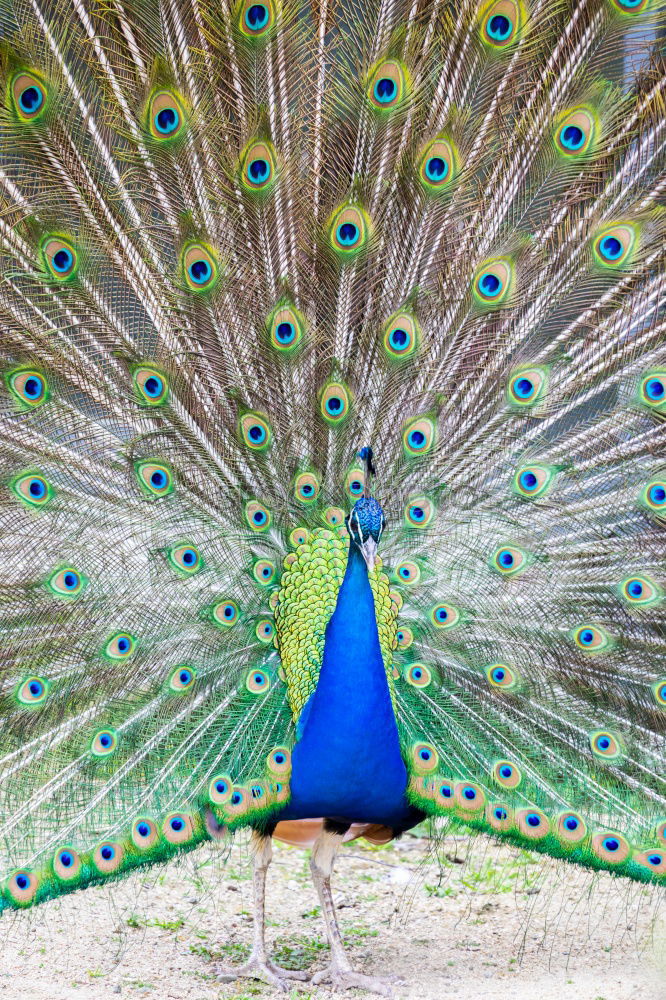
(365, 525)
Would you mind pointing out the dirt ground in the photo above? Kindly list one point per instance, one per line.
(468, 921)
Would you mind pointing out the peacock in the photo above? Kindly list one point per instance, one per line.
(332, 411)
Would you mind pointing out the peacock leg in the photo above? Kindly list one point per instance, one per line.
(339, 972)
(259, 966)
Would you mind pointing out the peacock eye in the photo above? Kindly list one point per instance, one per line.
(408, 572)
(610, 847)
(526, 386)
(120, 646)
(299, 536)
(507, 774)
(591, 638)
(438, 165)
(349, 231)
(257, 516)
(334, 516)
(279, 761)
(418, 437)
(509, 560)
(613, 246)
(424, 758)
(335, 402)
(182, 679)
(469, 797)
(200, 267)
(306, 487)
(401, 336)
(606, 745)
(104, 743)
(166, 117)
(258, 168)
(501, 675)
(264, 630)
(144, 833)
(220, 789)
(66, 863)
(493, 283)
(419, 512)
(29, 387)
(533, 823)
(60, 257)
(444, 616)
(186, 559)
(640, 591)
(258, 682)
(225, 613)
(255, 431)
(29, 96)
(404, 637)
(652, 391)
(286, 327)
(264, 571)
(32, 691)
(659, 690)
(177, 828)
(151, 386)
(387, 85)
(532, 481)
(32, 489)
(576, 132)
(418, 675)
(67, 582)
(154, 478)
(501, 24)
(256, 19)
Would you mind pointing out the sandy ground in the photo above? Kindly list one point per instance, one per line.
(468, 921)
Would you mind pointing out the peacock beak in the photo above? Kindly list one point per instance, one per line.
(369, 550)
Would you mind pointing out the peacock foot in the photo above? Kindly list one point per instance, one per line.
(346, 979)
(263, 969)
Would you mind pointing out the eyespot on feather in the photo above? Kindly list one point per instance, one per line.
(29, 387)
(576, 132)
(610, 847)
(257, 516)
(33, 691)
(439, 165)
(418, 436)
(32, 489)
(67, 583)
(417, 674)
(120, 646)
(66, 864)
(653, 859)
(151, 386)
(256, 20)
(445, 616)
(335, 402)
(424, 758)
(606, 745)
(185, 558)
(258, 681)
(306, 487)
(349, 232)
(220, 789)
(29, 96)
(334, 517)
(408, 573)
(355, 482)
(469, 797)
(145, 833)
(108, 857)
(60, 257)
(640, 591)
(533, 823)
(255, 431)
(258, 167)
(653, 497)
(404, 637)
(630, 7)
(22, 886)
(387, 85)
(264, 571)
(614, 246)
(493, 283)
(591, 638)
(200, 268)
(155, 479)
(279, 761)
(401, 336)
(286, 328)
(526, 386)
(507, 774)
(444, 793)
(499, 816)
(239, 803)
(166, 119)
(509, 560)
(502, 676)
(501, 23)
(299, 536)
(570, 828)
(659, 691)
(104, 743)
(178, 828)
(532, 481)
(652, 390)
(265, 630)
(182, 679)
(419, 512)
(225, 613)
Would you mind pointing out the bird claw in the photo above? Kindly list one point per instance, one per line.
(347, 979)
(262, 969)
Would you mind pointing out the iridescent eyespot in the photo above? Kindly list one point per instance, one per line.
(419, 512)
(264, 571)
(67, 582)
(469, 797)
(653, 859)
(257, 516)
(334, 402)
(613, 246)
(166, 116)
(652, 390)
(640, 591)
(279, 761)
(258, 681)
(610, 847)
(144, 833)
(256, 19)
(387, 85)
(401, 336)
(258, 170)
(501, 22)
(493, 282)
(120, 646)
(178, 828)
(200, 268)
(659, 690)
(500, 675)
(60, 257)
(630, 6)
(104, 742)
(255, 431)
(533, 823)
(66, 863)
(570, 827)
(32, 489)
(424, 758)
(349, 231)
(22, 886)
(299, 536)
(404, 637)
(591, 638)
(186, 559)
(154, 478)
(444, 794)
(527, 386)
(225, 613)
(418, 675)
(499, 816)
(418, 436)
(506, 774)
(653, 497)
(29, 97)
(445, 616)
(220, 789)
(439, 165)
(509, 560)
(182, 679)
(576, 132)
(152, 387)
(265, 630)
(286, 327)
(606, 745)
(32, 691)
(29, 387)
(355, 482)
(306, 487)
(334, 516)
(408, 572)
(533, 481)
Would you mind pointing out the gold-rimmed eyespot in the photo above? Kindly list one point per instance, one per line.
(182, 679)
(120, 646)
(499, 816)
(493, 282)
(445, 616)
(469, 797)
(286, 327)
(355, 482)
(610, 847)
(32, 488)
(570, 827)
(419, 512)
(67, 582)
(501, 22)
(439, 165)
(630, 7)
(335, 401)
(66, 864)
(185, 558)
(418, 436)
(424, 758)
(155, 479)
(199, 267)
(613, 246)
(178, 828)
(306, 487)
(239, 803)
(255, 20)
(591, 638)
(533, 823)
(220, 789)
(659, 691)
(349, 231)
(104, 743)
(166, 117)
(417, 674)
(507, 774)
(509, 560)
(334, 517)
(401, 336)
(640, 591)
(255, 431)
(257, 516)
(576, 131)
(258, 167)
(527, 386)
(22, 886)
(265, 630)
(387, 85)
(29, 387)
(532, 481)
(653, 859)
(29, 96)
(258, 681)
(404, 637)
(151, 386)
(652, 390)
(144, 833)
(225, 613)
(264, 571)
(443, 793)
(32, 691)
(299, 536)
(500, 675)
(606, 745)
(60, 257)
(408, 572)
(279, 761)
(653, 497)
